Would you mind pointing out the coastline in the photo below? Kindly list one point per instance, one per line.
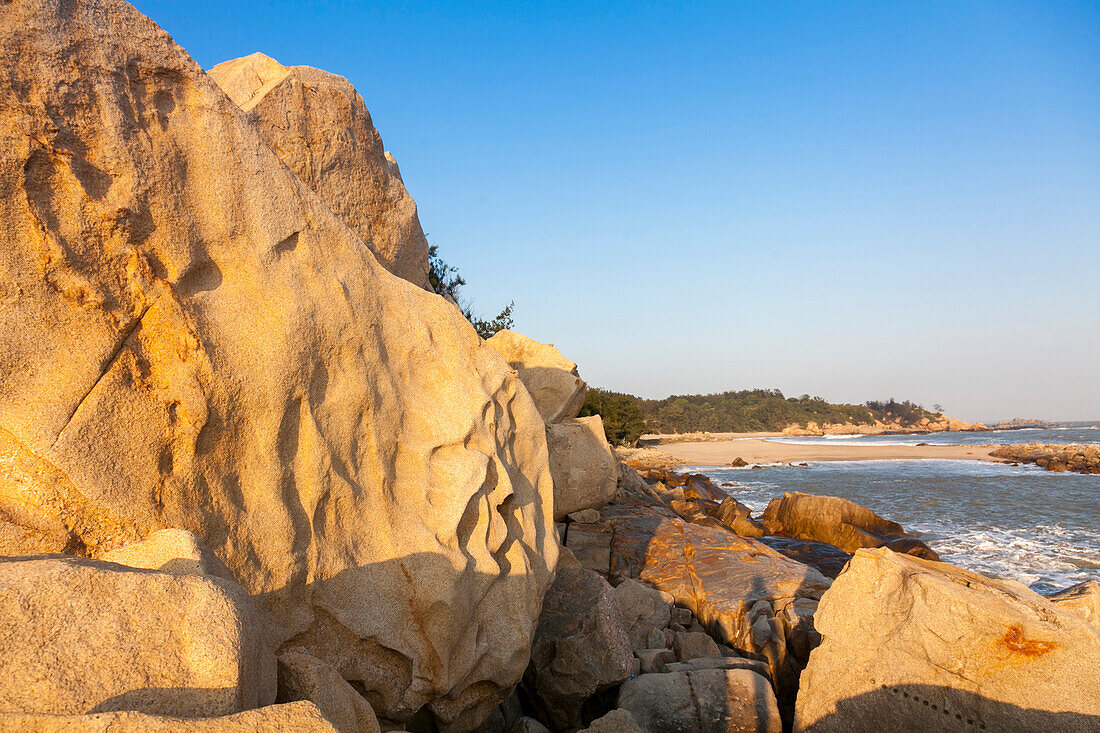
(758, 450)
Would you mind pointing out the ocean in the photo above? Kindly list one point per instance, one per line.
(1017, 522)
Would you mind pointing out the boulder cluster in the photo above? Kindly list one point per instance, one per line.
(1053, 457)
(255, 476)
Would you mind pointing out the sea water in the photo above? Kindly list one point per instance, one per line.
(1017, 522)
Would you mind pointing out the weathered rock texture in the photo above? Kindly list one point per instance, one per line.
(303, 717)
(580, 647)
(303, 677)
(840, 522)
(1081, 600)
(173, 551)
(318, 125)
(585, 471)
(551, 379)
(746, 594)
(190, 338)
(910, 644)
(1053, 457)
(80, 636)
(702, 701)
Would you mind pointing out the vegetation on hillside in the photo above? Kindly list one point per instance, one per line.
(621, 414)
(446, 281)
(754, 410)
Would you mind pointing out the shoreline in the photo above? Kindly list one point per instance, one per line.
(758, 450)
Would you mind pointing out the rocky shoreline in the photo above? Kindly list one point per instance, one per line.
(1053, 457)
(255, 476)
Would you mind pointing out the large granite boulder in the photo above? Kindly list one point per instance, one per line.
(839, 522)
(173, 551)
(910, 644)
(80, 636)
(551, 379)
(580, 646)
(303, 677)
(702, 701)
(191, 339)
(745, 594)
(586, 474)
(319, 126)
(301, 717)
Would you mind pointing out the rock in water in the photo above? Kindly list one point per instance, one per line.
(189, 338)
(80, 636)
(910, 644)
(840, 522)
(586, 474)
(318, 125)
(551, 379)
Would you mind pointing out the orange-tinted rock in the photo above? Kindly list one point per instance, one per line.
(840, 522)
(738, 588)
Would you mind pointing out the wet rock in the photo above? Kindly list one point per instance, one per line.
(828, 559)
(842, 523)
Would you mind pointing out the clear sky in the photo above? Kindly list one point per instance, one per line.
(855, 200)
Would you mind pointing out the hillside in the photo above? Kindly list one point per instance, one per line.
(768, 410)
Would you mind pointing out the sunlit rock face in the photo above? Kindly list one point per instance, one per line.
(319, 126)
(911, 644)
(189, 338)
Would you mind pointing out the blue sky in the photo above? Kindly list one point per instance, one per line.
(857, 200)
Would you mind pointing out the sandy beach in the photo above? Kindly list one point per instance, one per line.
(756, 450)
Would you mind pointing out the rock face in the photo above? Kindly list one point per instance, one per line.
(172, 551)
(80, 636)
(295, 716)
(910, 644)
(318, 125)
(840, 522)
(551, 379)
(302, 677)
(1081, 600)
(585, 471)
(189, 338)
(745, 594)
(580, 646)
(1053, 457)
(702, 701)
